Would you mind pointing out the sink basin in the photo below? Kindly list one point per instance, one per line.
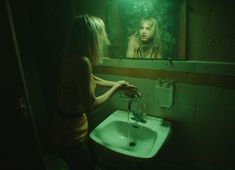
(131, 138)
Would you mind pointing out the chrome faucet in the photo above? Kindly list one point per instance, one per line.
(138, 114)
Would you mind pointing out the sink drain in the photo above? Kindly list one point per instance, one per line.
(132, 144)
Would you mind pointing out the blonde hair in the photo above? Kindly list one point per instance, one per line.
(87, 38)
(155, 26)
(134, 41)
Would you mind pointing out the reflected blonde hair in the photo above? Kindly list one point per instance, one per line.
(135, 38)
(155, 26)
(87, 38)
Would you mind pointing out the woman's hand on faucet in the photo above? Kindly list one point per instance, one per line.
(129, 89)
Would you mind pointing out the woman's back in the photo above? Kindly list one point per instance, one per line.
(68, 96)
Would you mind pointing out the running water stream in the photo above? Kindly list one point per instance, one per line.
(136, 106)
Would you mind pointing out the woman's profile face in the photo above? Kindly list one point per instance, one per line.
(146, 30)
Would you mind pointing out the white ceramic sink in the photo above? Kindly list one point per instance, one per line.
(131, 138)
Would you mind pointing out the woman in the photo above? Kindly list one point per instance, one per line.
(145, 43)
(76, 90)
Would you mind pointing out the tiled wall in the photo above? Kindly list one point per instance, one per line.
(203, 114)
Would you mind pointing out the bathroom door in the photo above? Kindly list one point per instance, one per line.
(19, 146)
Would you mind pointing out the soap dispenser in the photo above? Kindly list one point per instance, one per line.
(164, 92)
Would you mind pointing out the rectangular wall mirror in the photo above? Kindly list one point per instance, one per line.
(146, 29)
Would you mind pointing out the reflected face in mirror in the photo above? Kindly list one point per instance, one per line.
(146, 31)
(145, 43)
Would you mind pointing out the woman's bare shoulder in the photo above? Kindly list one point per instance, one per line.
(84, 64)
(133, 40)
(76, 65)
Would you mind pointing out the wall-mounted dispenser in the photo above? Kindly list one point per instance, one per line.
(164, 92)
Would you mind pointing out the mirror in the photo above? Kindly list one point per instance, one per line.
(124, 20)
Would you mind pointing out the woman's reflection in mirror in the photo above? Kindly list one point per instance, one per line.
(145, 42)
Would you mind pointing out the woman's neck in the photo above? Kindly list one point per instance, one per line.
(145, 46)
(146, 50)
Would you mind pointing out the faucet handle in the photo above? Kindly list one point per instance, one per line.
(132, 93)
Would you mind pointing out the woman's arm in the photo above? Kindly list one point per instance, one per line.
(89, 101)
(125, 85)
(132, 45)
(130, 53)
(102, 82)
(127, 88)
(100, 100)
